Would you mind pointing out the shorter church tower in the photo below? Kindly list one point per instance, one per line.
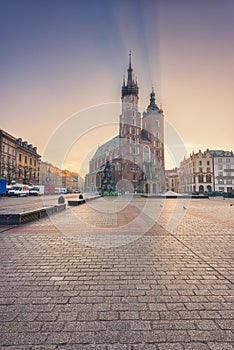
(153, 128)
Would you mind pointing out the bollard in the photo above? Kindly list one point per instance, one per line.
(61, 200)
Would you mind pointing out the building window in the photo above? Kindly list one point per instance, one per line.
(208, 162)
(220, 160)
(25, 159)
(228, 160)
(157, 123)
(20, 157)
(208, 178)
(200, 162)
(200, 170)
(208, 169)
(229, 181)
(30, 161)
(220, 167)
(146, 154)
(200, 178)
(201, 188)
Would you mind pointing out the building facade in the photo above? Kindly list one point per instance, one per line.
(54, 177)
(172, 180)
(223, 170)
(19, 161)
(136, 154)
(196, 173)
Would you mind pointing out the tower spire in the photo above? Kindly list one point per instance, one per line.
(130, 60)
(130, 70)
(152, 104)
(130, 88)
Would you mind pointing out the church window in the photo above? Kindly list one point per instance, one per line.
(146, 154)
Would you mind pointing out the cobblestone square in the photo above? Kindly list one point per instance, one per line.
(147, 286)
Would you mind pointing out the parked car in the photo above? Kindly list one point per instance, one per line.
(18, 190)
(36, 191)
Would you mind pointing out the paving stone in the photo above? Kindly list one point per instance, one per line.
(167, 289)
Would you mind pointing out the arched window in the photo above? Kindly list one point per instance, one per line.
(208, 178)
(201, 189)
(146, 154)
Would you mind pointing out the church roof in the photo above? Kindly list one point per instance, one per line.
(144, 136)
(107, 147)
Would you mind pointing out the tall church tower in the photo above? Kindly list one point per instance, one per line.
(130, 119)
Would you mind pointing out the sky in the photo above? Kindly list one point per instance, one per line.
(62, 58)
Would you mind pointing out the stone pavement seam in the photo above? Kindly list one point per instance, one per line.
(196, 254)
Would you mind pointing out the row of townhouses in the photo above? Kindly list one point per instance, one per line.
(21, 163)
(208, 171)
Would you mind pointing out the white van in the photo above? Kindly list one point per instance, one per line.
(18, 190)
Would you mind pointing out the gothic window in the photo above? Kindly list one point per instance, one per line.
(146, 154)
(157, 135)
